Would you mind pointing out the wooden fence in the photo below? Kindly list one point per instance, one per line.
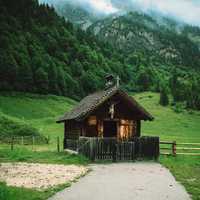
(173, 148)
(24, 140)
(112, 149)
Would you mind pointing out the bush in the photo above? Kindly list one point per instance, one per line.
(10, 127)
(4, 192)
(178, 108)
(164, 100)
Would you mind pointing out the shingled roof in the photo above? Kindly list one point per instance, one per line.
(91, 102)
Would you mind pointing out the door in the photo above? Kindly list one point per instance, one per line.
(110, 129)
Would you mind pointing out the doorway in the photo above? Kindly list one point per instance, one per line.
(109, 129)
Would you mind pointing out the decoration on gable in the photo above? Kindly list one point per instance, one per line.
(112, 111)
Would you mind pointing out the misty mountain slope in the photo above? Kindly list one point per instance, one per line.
(76, 14)
(136, 32)
(193, 33)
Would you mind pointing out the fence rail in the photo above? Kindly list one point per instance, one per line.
(174, 148)
(24, 140)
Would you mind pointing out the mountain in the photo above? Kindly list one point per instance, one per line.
(75, 11)
(161, 49)
(162, 39)
(165, 40)
(76, 14)
(43, 53)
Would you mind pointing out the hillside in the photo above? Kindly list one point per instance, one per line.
(41, 112)
(76, 14)
(38, 111)
(161, 39)
(162, 53)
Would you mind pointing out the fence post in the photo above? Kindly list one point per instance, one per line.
(58, 144)
(114, 151)
(132, 150)
(92, 153)
(33, 142)
(48, 139)
(174, 148)
(12, 143)
(22, 140)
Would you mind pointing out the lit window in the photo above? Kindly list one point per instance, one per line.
(127, 129)
(92, 120)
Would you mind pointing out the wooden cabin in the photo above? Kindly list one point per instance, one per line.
(108, 113)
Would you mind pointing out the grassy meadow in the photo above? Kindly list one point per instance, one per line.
(38, 111)
(169, 124)
(41, 112)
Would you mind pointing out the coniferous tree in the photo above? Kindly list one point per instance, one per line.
(41, 81)
(61, 81)
(25, 78)
(8, 71)
(53, 78)
(144, 78)
(164, 100)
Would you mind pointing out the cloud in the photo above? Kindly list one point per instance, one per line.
(104, 6)
(184, 10)
(187, 11)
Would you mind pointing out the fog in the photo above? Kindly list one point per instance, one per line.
(187, 11)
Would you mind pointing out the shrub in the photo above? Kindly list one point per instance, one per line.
(178, 108)
(4, 192)
(10, 127)
(164, 100)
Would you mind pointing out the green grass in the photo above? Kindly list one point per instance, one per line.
(186, 170)
(169, 125)
(39, 111)
(15, 193)
(53, 157)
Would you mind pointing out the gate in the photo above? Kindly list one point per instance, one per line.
(111, 149)
(125, 151)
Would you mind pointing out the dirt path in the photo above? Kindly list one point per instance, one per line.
(125, 181)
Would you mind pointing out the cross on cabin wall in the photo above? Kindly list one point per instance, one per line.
(112, 111)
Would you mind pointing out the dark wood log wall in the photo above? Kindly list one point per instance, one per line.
(138, 128)
(72, 129)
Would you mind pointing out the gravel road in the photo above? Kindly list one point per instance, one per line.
(125, 181)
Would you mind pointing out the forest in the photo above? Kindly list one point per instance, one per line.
(41, 52)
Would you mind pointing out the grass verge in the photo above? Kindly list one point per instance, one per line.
(16, 193)
(186, 170)
(25, 155)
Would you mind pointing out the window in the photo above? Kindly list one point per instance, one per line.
(92, 120)
(127, 129)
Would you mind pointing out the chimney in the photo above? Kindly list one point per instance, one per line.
(118, 80)
(111, 81)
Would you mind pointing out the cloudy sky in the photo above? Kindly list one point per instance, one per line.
(184, 10)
